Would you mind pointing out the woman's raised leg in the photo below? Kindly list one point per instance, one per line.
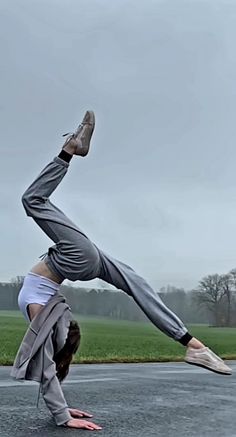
(74, 256)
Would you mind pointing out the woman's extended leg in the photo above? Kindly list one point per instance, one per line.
(125, 278)
(74, 256)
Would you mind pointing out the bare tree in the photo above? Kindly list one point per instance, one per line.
(210, 293)
(227, 287)
(232, 275)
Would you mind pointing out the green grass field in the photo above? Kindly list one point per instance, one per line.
(105, 340)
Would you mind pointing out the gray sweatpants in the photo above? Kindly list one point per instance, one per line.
(75, 257)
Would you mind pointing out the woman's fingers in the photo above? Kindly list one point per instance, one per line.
(91, 428)
(84, 424)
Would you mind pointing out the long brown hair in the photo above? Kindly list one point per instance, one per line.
(64, 357)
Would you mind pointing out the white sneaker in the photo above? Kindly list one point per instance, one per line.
(204, 357)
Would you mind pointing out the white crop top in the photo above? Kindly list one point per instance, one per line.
(35, 289)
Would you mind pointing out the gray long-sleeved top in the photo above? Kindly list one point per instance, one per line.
(46, 335)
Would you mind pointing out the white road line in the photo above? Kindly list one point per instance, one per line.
(72, 381)
(16, 384)
(69, 381)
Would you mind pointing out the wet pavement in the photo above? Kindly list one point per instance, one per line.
(128, 400)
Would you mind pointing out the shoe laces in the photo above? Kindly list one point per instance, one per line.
(73, 134)
(67, 134)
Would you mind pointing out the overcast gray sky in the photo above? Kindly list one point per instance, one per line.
(158, 188)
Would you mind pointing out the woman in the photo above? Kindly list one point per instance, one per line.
(75, 257)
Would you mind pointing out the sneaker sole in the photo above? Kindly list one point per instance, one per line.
(204, 366)
(91, 123)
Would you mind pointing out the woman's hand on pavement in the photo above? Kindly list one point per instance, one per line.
(78, 413)
(83, 424)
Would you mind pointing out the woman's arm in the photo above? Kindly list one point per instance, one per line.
(54, 397)
(51, 388)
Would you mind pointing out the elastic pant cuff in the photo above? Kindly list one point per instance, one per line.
(60, 161)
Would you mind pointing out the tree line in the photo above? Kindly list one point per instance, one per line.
(212, 302)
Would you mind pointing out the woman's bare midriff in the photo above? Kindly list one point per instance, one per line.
(42, 269)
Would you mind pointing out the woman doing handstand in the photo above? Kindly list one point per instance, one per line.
(75, 257)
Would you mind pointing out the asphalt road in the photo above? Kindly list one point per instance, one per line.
(128, 400)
